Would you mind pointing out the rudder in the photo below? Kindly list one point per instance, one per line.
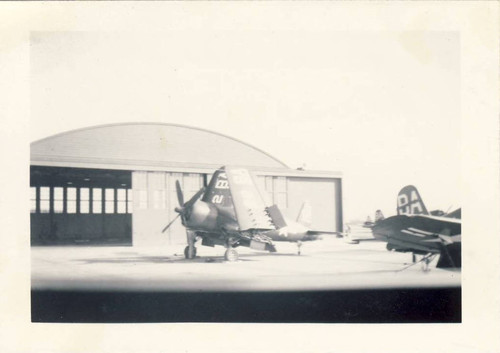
(409, 202)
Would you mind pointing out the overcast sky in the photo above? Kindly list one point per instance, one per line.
(381, 107)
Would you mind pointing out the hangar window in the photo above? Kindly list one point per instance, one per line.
(143, 199)
(269, 183)
(268, 187)
(159, 199)
(71, 200)
(109, 203)
(129, 201)
(155, 180)
(33, 199)
(58, 200)
(121, 201)
(44, 199)
(140, 180)
(96, 200)
(192, 183)
(280, 192)
(84, 200)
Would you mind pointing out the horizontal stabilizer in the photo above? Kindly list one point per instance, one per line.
(455, 214)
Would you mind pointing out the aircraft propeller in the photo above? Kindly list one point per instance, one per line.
(184, 210)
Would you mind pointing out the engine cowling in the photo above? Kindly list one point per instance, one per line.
(203, 216)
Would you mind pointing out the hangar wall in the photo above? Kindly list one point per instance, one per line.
(318, 192)
(155, 199)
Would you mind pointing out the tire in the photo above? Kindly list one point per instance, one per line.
(186, 252)
(231, 255)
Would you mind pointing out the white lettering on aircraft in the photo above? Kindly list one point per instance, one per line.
(402, 204)
(222, 184)
(217, 199)
(412, 206)
(416, 208)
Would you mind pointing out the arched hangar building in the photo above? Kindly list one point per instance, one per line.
(115, 184)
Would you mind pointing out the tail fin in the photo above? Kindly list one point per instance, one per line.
(410, 202)
(305, 215)
(379, 216)
(218, 191)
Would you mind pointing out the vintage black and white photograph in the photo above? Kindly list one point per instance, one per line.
(307, 164)
(212, 167)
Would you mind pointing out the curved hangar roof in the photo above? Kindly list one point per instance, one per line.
(143, 146)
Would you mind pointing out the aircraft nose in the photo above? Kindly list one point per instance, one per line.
(201, 216)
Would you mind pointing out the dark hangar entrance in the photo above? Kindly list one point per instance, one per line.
(80, 206)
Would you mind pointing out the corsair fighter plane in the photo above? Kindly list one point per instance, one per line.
(420, 232)
(232, 212)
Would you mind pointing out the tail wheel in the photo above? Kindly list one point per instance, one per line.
(231, 255)
(186, 252)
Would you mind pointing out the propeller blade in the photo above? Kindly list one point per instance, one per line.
(180, 195)
(195, 198)
(185, 208)
(171, 222)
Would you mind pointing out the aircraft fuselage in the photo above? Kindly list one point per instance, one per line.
(207, 217)
(293, 232)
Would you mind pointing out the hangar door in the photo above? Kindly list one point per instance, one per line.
(155, 199)
(321, 193)
(80, 206)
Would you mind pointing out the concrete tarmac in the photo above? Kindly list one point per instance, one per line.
(328, 264)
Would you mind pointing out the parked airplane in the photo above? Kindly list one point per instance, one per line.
(378, 217)
(231, 212)
(298, 231)
(416, 230)
(368, 223)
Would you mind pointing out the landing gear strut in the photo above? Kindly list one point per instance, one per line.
(299, 245)
(425, 261)
(190, 250)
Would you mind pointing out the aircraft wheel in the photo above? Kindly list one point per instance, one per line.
(231, 255)
(186, 252)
